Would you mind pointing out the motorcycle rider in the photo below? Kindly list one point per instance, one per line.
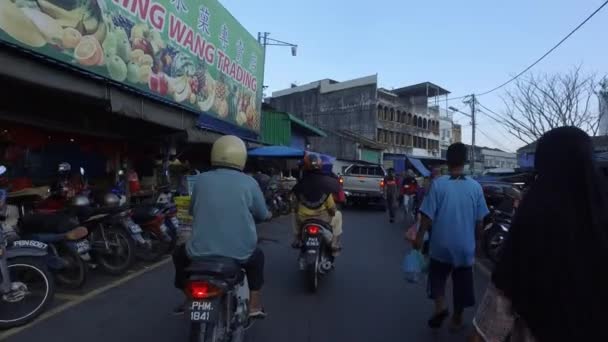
(225, 203)
(314, 193)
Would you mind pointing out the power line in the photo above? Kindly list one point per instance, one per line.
(548, 52)
(496, 142)
(493, 112)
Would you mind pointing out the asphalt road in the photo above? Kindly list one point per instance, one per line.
(364, 299)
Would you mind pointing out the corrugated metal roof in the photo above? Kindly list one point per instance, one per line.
(306, 126)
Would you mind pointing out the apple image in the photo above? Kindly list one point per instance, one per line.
(159, 83)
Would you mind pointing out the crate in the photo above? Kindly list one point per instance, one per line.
(183, 209)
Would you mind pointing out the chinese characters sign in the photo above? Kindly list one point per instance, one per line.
(191, 52)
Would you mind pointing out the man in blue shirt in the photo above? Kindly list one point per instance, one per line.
(455, 208)
(225, 204)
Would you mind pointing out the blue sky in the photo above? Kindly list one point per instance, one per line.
(464, 46)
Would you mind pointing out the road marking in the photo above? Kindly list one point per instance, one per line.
(79, 299)
(65, 296)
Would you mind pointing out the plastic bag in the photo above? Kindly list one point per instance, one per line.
(413, 264)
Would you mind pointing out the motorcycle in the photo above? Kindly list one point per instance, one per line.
(316, 257)
(496, 231)
(158, 228)
(154, 230)
(71, 247)
(278, 203)
(112, 236)
(26, 286)
(167, 206)
(218, 300)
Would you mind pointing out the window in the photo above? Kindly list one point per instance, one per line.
(355, 170)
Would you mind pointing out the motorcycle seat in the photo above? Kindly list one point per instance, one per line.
(224, 268)
(59, 223)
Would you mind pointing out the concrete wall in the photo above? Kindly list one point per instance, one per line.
(352, 109)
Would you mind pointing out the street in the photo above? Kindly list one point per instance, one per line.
(365, 299)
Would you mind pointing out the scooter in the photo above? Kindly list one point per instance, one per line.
(152, 221)
(316, 258)
(69, 246)
(26, 286)
(496, 231)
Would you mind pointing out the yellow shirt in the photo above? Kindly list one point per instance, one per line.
(305, 212)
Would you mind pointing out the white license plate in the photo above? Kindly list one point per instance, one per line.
(204, 311)
(83, 247)
(132, 226)
(175, 222)
(312, 242)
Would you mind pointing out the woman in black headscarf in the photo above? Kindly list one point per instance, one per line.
(551, 284)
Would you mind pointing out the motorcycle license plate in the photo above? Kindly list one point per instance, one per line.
(83, 247)
(312, 242)
(204, 311)
(175, 222)
(133, 227)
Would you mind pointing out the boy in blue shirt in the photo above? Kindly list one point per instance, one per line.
(455, 207)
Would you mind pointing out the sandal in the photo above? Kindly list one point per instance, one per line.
(436, 320)
(258, 314)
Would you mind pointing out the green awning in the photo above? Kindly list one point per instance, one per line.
(312, 130)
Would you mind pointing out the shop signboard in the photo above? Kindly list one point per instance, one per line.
(191, 52)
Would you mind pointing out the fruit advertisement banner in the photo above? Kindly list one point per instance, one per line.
(191, 52)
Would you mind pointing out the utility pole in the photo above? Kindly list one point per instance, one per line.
(472, 101)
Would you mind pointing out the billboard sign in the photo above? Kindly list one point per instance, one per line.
(193, 53)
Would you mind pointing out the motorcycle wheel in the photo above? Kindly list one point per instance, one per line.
(494, 242)
(75, 274)
(206, 332)
(119, 255)
(155, 251)
(23, 272)
(312, 275)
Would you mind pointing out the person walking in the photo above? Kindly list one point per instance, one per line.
(409, 187)
(455, 208)
(391, 193)
(551, 282)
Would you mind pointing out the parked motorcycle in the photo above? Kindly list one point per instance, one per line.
(168, 209)
(66, 242)
(218, 298)
(158, 228)
(316, 258)
(495, 233)
(26, 286)
(278, 203)
(64, 189)
(112, 236)
(154, 230)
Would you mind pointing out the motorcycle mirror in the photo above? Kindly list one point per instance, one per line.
(2, 169)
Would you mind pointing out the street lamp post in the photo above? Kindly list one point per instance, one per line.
(265, 41)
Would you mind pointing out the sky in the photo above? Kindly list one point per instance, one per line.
(467, 46)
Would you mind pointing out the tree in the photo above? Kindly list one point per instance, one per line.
(539, 103)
